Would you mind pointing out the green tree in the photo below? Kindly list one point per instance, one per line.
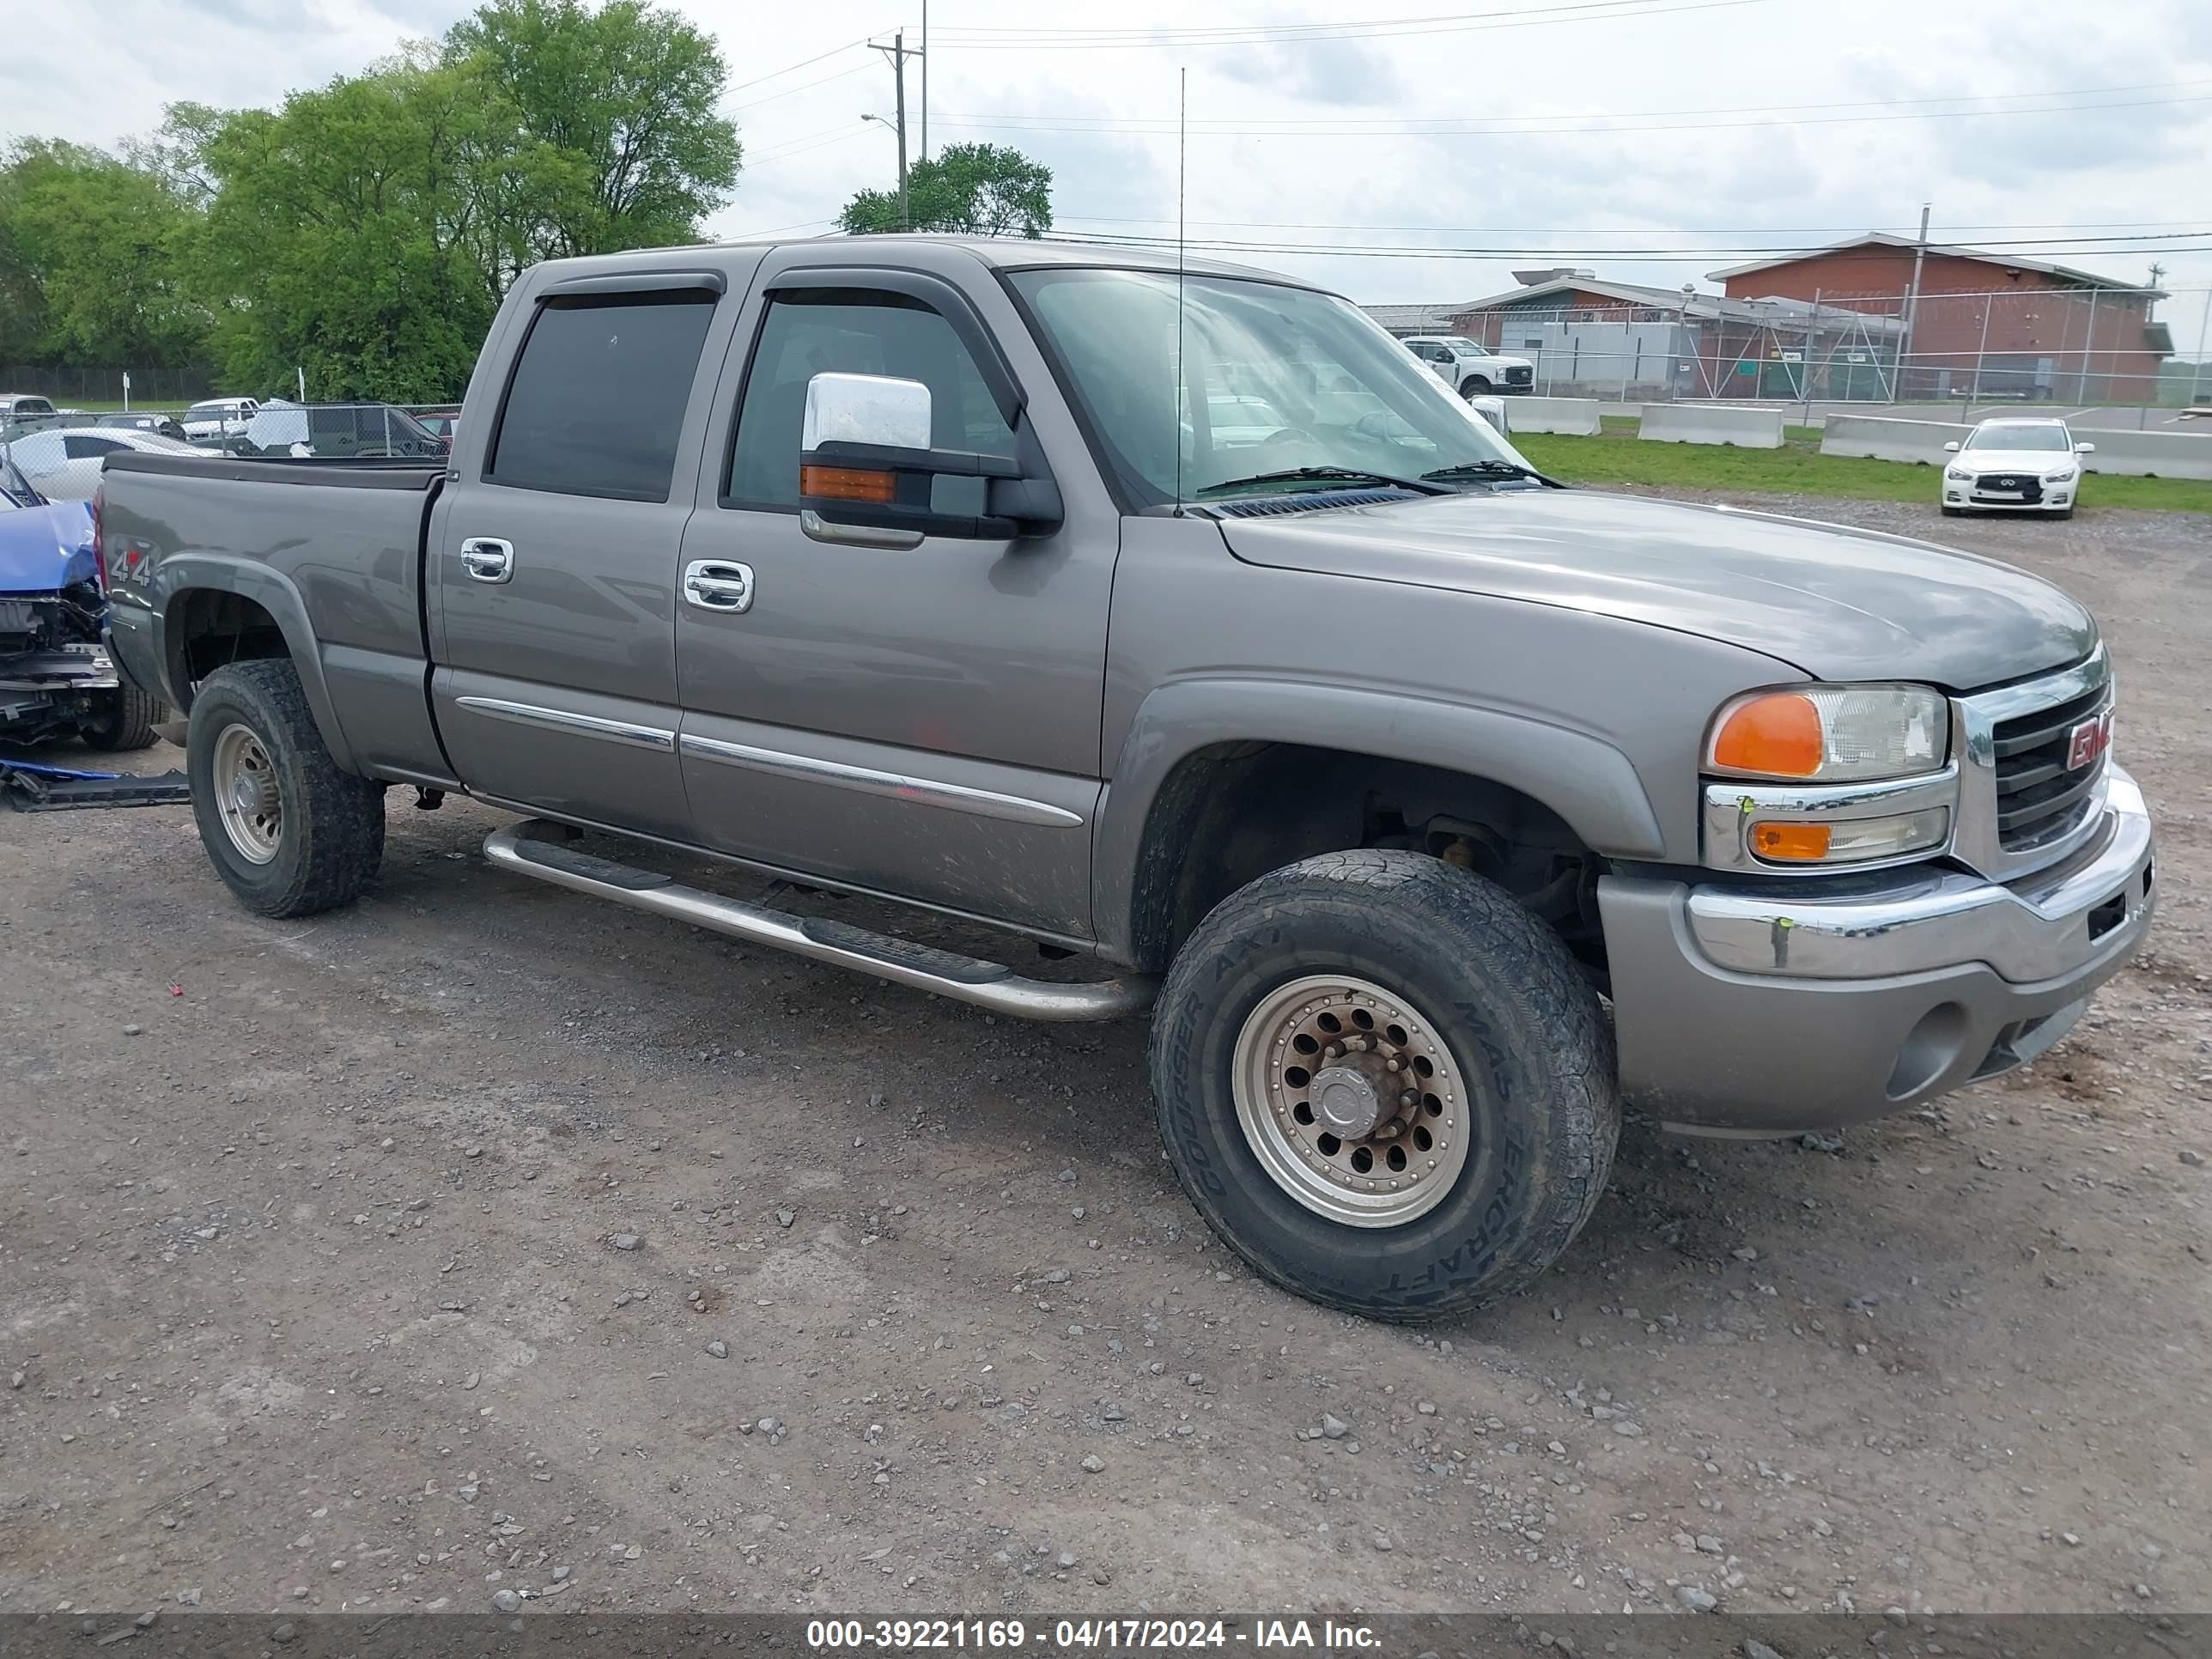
(614, 140)
(974, 189)
(366, 230)
(22, 296)
(340, 237)
(96, 252)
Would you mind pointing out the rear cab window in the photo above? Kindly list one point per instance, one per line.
(595, 405)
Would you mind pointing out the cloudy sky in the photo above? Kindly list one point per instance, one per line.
(1652, 140)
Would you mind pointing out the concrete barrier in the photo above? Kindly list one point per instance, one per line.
(1878, 437)
(2145, 455)
(1578, 415)
(1711, 423)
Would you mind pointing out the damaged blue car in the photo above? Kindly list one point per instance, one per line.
(56, 678)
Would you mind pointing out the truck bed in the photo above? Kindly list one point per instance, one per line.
(331, 550)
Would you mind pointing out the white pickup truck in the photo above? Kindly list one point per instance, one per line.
(1470, 367)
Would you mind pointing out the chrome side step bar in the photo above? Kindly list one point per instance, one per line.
(536, 848)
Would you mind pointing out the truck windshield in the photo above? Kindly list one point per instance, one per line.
(1275, 380)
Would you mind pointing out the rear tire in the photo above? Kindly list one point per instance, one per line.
(126, 720)
(288, 830)
(1447, 969)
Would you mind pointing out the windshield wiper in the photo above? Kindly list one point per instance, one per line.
(1327, 475)
(1490, 469)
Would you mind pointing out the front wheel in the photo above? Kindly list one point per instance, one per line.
(288, 831)
(1385, 1083)
(1475, 387)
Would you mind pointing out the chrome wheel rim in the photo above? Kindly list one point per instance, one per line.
(245, 794)
(1350, 1100)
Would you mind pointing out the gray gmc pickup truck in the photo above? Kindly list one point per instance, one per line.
(969, 575)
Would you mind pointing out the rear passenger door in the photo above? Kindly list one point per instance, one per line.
(554, 549)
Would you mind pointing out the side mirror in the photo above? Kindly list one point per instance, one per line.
(2085, 449)
(1951, 448)
(865, 463)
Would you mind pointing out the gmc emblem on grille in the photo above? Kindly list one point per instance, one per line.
(2088, 740)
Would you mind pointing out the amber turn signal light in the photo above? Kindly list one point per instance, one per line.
(1776, 736)
(1793, 843)
(848, 484)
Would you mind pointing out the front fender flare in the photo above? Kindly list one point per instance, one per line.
(271, 589)
(1589, 783)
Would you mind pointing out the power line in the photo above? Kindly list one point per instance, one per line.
(801, 141)
(2081, 243)
(802, 63)
(1145, 126)
(1673, 256)
(1613, 230)
(797, 148)
(1411, 122)
(1588, 11)
(994, 31)
(804, 86)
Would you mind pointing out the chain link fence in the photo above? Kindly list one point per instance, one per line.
(103, 388)
(2069, 348)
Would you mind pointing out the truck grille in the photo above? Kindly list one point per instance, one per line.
(2039, 797)
(2022, 807)
(1519, 376)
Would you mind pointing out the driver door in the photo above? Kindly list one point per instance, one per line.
(916, 716)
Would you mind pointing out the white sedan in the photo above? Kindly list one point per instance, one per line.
(63, 463)
(2013, 466)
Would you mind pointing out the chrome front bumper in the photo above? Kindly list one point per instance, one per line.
(1773, 1006)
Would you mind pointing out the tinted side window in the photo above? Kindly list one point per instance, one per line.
(596, 404)
(78, 447)
(841, 332)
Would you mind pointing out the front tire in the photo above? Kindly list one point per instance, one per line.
(1475, 387)
(1468, 1066)
(126, 721)
(287, 830)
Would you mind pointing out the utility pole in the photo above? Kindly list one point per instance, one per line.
(1912, 297)
(924, 90)
(897, 53)
(2203, 346)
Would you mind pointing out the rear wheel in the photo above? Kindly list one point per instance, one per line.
(288, 830)
(126, 720)
(1385, 1083)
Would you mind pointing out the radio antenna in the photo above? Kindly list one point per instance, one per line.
(1183, 164)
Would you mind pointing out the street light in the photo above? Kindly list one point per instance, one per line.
(897, 128)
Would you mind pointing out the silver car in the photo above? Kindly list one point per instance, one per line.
(63, 463)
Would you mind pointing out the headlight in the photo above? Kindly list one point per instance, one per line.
(2064, 475)
(1830, 734)
(1956, 474)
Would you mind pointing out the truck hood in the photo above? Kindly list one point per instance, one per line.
(1838, 603)
(46, 549)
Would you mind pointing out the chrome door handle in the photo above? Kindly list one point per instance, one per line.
(718, 585)
(488, 559)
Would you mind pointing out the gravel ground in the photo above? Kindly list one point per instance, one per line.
(482, 1241)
